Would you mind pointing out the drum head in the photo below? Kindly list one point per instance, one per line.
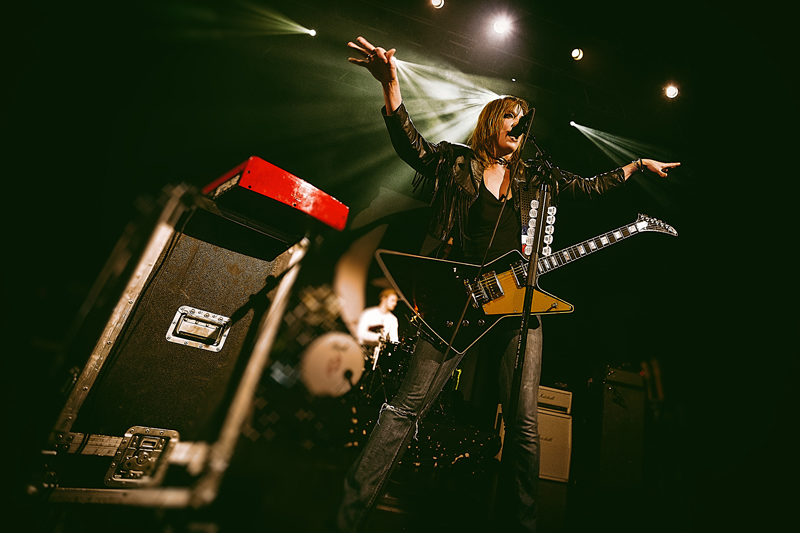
(331, 364)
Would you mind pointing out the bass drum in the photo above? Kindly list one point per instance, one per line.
(331, 364)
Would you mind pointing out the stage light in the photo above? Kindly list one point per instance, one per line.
(266, 21)
(572, 123)
(577, 54)
(502, 25)
(671, 91)
(438, 4)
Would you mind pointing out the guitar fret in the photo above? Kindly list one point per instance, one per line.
(569, 254)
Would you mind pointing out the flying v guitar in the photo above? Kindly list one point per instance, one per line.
(435, 288)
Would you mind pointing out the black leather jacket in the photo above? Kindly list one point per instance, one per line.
(456, 176)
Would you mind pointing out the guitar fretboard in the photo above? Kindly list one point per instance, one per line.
(567, 255)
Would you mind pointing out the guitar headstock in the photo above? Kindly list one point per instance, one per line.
(646, 223)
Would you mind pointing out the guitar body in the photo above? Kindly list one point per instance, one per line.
(436, 291)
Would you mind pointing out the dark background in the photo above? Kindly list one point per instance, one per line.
(106, 103)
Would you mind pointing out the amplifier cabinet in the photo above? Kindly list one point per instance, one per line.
(622, 434)
(555, 443)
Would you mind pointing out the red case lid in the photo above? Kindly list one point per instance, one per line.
(265, 179)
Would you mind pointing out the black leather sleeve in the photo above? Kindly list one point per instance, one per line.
(410, 145)
(575, 186)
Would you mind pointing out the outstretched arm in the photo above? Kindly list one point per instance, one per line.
(383, 67)
(588, 188)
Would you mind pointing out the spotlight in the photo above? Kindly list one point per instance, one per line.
(572, 123)
(502, 25)
(438, 4)
(577, 54)
(312, 32)
(671, 91)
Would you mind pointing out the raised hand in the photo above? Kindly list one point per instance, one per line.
(383, 67)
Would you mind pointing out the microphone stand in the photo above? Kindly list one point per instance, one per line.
(543, 197)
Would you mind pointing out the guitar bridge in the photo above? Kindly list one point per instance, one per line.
(490, 286)
(520, 271)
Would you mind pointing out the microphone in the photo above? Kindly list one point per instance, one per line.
(523, 124)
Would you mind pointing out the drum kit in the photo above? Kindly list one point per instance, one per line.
(385, 367)
(357, 380)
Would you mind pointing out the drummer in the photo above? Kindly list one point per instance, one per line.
(378, 325)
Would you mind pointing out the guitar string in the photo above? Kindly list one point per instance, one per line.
(561, 257)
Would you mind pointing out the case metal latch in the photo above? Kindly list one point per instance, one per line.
(141, 459)
(199, 329)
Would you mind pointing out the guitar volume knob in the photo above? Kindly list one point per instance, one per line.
(465, 323)
(449, 323)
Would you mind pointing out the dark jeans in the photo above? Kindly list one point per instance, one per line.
(397, 424)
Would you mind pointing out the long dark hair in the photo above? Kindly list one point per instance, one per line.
(491, 118)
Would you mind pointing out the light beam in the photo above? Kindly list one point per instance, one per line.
(621, 150)
(448, 100)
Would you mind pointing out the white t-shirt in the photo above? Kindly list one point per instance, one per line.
(372, 317)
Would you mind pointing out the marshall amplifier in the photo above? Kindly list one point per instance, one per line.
(555, 400)
(555, 433)
(555, 441)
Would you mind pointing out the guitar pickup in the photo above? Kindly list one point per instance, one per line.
(520, 273)
(490, 285)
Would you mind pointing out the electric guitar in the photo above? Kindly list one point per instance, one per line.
(435, 289)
